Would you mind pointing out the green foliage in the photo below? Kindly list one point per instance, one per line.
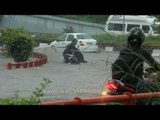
(157, 16)
(104, 40)
(9, 35)
(156, 100)
(18, 42)
(34, 99)
(152, 41)
(21, 49)
(45, 38)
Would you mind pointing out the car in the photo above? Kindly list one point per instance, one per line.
(85, 42)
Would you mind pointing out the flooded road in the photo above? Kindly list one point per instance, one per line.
(68, 81)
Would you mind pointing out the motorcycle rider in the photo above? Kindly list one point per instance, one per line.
(129, 66)
(72, 54)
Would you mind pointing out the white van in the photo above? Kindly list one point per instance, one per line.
(121, 24)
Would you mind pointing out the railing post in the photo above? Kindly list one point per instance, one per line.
(9, 66)
(25, 65)
(131, 100)
(18, 65)
(41, 59)
(31, 64)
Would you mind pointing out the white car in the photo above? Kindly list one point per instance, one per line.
(85, 42)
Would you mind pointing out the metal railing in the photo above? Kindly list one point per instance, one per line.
(126, 99)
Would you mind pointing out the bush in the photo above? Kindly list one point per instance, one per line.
(21, 49)
(45, 38)
(18, 42)
(104, 40)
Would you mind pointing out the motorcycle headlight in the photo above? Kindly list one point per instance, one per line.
(104, 93)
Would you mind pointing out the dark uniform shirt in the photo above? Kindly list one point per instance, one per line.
(129, 65)
(69, 48)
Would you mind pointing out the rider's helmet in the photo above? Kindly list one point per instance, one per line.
(135, 38)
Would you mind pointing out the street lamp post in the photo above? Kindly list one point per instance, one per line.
(123, 24)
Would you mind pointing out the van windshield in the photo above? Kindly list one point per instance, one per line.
(156, 29)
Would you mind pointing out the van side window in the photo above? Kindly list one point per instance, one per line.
(130, 26)
(115, 27)
(145, 28)
(110, 26)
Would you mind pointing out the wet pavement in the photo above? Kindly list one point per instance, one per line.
(68, 81)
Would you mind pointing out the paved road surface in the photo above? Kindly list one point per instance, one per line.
(68, 81)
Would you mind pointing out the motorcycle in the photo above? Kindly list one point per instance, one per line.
(116, 87)
(75, 57)
(71, 58)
